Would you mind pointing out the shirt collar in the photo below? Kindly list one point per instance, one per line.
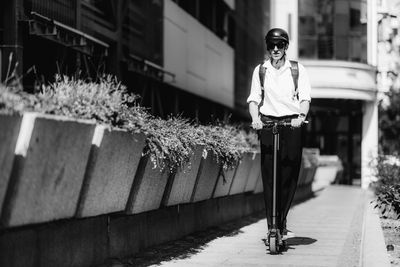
(268, 64)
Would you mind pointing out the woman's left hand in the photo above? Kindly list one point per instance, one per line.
(296, 123)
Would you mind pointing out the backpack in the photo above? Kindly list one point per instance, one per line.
(295, 75)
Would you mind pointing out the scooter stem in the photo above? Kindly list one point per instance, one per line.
(276, 148)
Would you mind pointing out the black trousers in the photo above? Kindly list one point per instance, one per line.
(288, 168)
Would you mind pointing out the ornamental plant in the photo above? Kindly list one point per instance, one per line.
(105, 101)
(388, 201)
(14, 101)
(227, 142)
(169, 143)
(389, 122)
(387, 186)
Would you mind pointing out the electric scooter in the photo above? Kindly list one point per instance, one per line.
(276, 244)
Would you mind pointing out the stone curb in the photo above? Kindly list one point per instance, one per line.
(373, 248)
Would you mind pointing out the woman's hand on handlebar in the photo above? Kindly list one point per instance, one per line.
(298, 122)
(257, 124)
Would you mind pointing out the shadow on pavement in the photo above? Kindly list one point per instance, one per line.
(298, 241)
(292, 243)
(196, 242)
(184, 247)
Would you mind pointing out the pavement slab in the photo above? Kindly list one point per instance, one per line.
(328, 227)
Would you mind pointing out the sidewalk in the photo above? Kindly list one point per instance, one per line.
(335, 228)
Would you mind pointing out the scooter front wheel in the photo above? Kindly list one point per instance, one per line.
(273, 245)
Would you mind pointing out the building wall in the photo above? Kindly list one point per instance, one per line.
(336, 40)
(252, 21)
(219, 43)
(202, 62)
(284, 15)
(333, 29)
(388, 46)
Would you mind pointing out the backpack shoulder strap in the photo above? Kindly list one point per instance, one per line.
(295, 72)
(295, 75)
(261, 74)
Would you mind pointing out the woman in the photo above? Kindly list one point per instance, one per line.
(280, 96)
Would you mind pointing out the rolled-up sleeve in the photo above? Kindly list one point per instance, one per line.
(255, 89)
(304, 86)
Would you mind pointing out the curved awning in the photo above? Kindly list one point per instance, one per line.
(341, 79)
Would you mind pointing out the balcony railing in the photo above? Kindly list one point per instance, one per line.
(63, 11)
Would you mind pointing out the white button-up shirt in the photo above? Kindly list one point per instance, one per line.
(278, 90)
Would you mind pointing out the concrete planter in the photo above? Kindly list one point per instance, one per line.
(254, 173)
(181, 185)
(9, 129)
(48, 169)
(113, 161)
(206, 178)
(148, 187)
(259, 186)
(302, 173)
(329, 166)
(242, 174)
(326, 174)
(308, 166)
(224, 182)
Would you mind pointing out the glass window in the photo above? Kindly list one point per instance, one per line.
(207, 13)
(333, 29)
(1, 28)
(316, 29)
(221, 20)
(190, 6)
(103, 8)
(213, 14)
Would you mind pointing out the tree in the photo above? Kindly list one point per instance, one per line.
(389, 124)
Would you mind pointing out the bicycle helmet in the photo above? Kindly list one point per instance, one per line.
(277, 34)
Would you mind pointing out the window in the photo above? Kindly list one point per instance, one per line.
(213, 14)
(316, 29)
(103, 8)
(207, 13)
(1, 27)
(190, 6)
(333, 29)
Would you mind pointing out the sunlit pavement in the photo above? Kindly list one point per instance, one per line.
(330, 230)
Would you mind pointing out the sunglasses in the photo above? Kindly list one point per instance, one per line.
(279, 45)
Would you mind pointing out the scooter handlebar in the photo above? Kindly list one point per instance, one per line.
(280, 123)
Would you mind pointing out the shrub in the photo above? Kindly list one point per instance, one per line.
(387, 172)
(389, 122)
(388, 201)
(169, 143)
(14, 101)
(387, 186)
(105, 101)
(228, 143)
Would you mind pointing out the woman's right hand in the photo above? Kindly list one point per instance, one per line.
(257, 124)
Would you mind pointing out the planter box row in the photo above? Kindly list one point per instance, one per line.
(57, 168)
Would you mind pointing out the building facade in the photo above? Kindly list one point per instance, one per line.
(336, 41)
(388, 47)
(196, 57)
(183, 57)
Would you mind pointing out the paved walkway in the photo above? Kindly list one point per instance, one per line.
(334, 228)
